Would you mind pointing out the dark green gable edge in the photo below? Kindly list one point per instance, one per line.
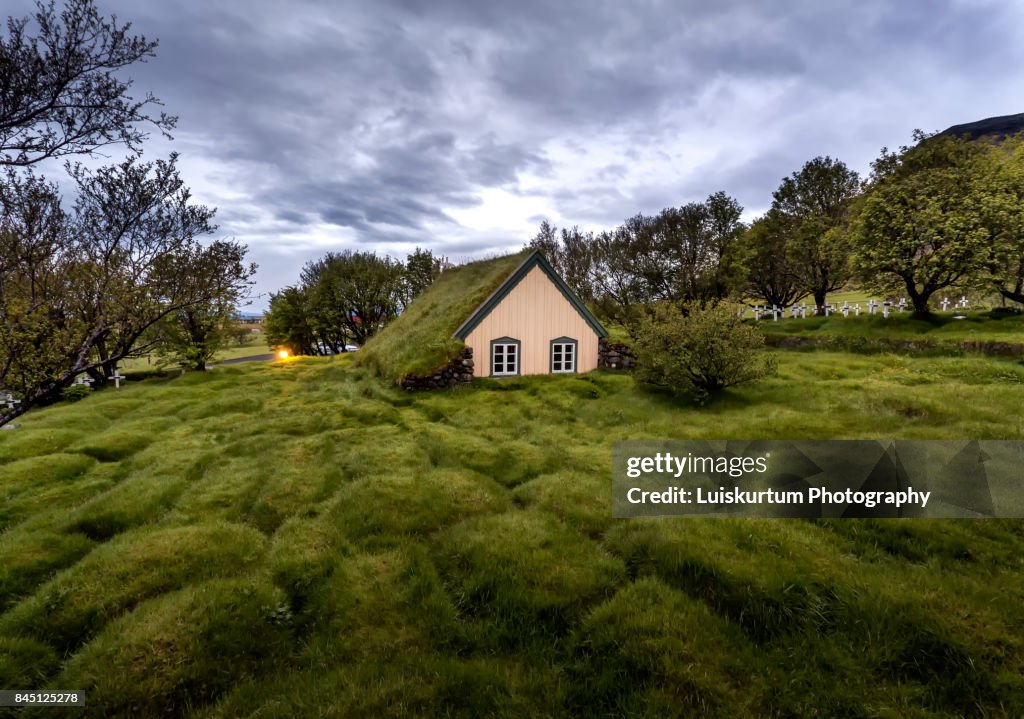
(536, 258)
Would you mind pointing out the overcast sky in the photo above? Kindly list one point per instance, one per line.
(458, 125)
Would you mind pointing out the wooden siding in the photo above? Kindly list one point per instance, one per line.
(534, 312)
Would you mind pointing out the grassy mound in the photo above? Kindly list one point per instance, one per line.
(420, 340)
(354, 550)
(68, 609)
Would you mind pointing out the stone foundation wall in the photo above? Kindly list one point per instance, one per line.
(458, 371)
(614, 355)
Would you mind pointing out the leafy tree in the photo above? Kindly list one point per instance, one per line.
(620, 294)
(569, 251)
(80, 287)
(1004, 216)
(60, 93)
(699, 351)
(686, 254)
(346, 297)
(816, 202)
(421, 269)
(41, 320)
(546, 240)
(361, 290)
(768, 262)
(287, 322)
(191, 336)
(725, 246)
(575, 261)
(78, 290)
(194, 333)
(924, 224)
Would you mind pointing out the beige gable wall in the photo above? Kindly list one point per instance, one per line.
(534, 312)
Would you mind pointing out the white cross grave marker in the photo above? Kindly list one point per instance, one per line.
(945, 304)
(885, 308)
(845, 310)
(117, 377)
(872, 306)
(856, 310)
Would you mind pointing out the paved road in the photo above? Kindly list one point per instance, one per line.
(253, 358)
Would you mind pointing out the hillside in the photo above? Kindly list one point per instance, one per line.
(996, 127)
(302, 539)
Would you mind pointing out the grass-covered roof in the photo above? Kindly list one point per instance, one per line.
(420, 340)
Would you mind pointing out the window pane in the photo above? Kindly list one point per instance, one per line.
(562, 357)
(503, 359)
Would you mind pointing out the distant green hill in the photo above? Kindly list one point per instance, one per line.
(1001, 126)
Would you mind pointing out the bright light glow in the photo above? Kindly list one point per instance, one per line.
(283, 354)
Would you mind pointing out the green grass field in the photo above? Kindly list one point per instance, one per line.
(943, 330)
(254, 345)
(300, 538)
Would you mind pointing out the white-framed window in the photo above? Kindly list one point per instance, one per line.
(505, 358)
(563, 355)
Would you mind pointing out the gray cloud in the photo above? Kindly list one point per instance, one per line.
(457, 124)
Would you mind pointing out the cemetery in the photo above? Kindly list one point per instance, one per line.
(871, 307)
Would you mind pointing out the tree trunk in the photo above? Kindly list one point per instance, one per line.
(1014, 296)
(820, 297)
(12, 414)
(28, 402)
(920, 302)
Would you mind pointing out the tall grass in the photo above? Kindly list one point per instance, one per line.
(303, 539)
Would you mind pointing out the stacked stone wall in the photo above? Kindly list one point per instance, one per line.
(614, 355)
(458, 371)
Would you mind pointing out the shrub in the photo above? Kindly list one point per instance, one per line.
(75, 392)
(699, 351)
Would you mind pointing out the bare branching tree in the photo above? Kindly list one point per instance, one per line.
(60, 87)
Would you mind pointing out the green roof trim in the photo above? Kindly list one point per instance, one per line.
(535, 259)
